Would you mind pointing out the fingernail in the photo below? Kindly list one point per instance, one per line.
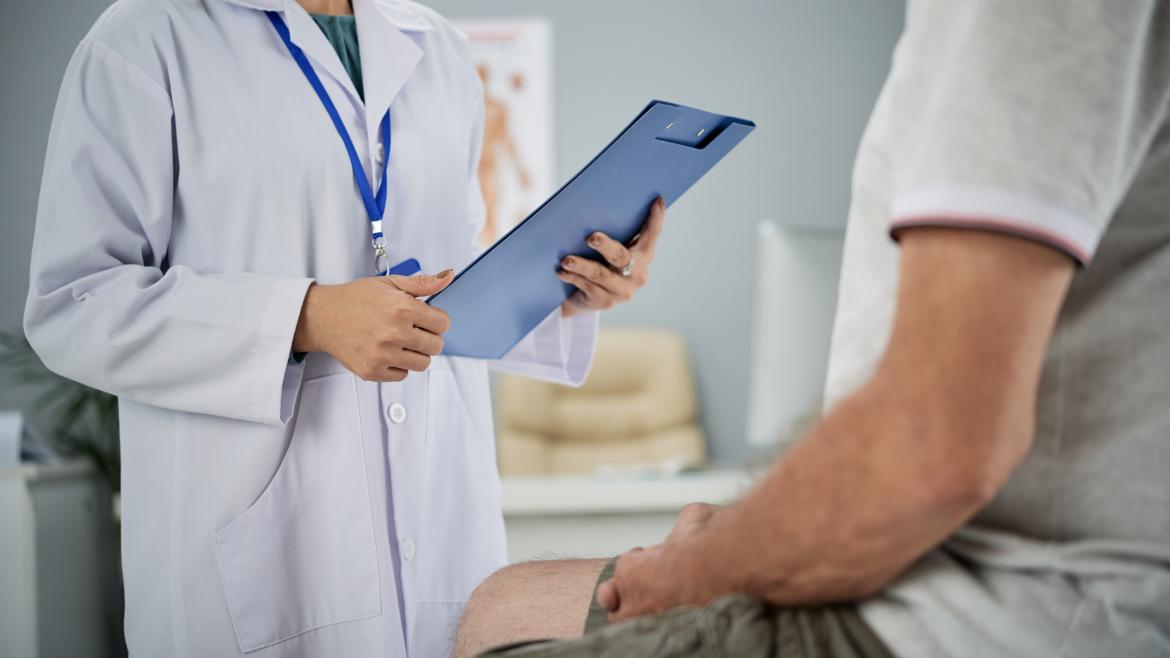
(661, 202)
(569, 263)
(595, 239)
(445, 273)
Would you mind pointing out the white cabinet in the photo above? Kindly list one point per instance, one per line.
(577, 517)
(58, 563)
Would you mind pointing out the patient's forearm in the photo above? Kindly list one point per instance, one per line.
(847, 508)
(898, 466)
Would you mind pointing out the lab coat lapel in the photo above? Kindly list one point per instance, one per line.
(388, 56)
(305, 33)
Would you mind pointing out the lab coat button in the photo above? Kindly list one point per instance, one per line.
(408, 549)
(380, 154)
(397, 413)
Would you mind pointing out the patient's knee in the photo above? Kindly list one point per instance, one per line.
(493, 594)
(528, 601)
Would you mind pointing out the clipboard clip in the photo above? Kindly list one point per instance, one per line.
(693, 130)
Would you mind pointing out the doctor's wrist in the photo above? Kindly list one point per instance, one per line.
(308, 334)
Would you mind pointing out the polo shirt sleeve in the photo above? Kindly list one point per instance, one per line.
(1029, 118)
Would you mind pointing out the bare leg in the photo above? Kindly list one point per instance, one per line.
(529, 601)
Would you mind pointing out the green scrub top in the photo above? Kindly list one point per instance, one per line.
(342, 34)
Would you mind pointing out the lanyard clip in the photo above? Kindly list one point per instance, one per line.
(381, 260)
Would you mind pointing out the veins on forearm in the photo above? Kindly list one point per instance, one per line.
(842, 513)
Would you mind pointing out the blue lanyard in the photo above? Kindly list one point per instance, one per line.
(375, 203)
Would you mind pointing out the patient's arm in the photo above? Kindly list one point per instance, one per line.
(898, 466)
(889, 473)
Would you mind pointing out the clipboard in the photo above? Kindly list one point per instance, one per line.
(501, 296)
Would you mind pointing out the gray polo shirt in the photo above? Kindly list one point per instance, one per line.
(1045, 119)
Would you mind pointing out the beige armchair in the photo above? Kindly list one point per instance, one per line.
(637, 407)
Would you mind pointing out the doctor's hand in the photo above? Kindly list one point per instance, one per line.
(624, 271)
(376, 327)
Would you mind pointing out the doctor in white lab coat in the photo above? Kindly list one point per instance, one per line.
(199, 222)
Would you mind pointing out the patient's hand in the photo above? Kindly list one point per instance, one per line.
(674, 573)
(692, 519)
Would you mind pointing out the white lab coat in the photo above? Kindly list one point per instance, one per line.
(193, 188)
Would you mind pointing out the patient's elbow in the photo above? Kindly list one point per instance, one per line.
(974, 470)
(967, 488)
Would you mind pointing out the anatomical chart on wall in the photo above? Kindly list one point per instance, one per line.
(514, 60)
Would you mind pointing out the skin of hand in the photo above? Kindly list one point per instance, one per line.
(639, 571)
(894, 469)
(602, 286)
(376, 327)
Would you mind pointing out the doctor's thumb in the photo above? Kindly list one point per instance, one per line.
(422, 285)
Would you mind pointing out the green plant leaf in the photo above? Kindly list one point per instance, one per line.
(85, 419)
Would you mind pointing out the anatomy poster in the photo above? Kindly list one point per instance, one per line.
(514, 60)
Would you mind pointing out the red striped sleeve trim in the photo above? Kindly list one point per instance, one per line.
(994, 224)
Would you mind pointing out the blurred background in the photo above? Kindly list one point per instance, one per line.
(720, 358)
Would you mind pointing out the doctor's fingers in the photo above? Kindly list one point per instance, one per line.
(594, 295)
(614, 252)
(423, 342)
(429, 318)
(394, 366)
(616, 284)
(405, 359)
(420, 285)
(647, 239)
(382, 374)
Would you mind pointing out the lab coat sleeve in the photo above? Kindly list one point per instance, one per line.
(104, 308)
(559, 349)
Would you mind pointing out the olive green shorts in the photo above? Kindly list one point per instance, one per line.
(732, 627)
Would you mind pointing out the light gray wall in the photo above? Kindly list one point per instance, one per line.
(36, 41)
(807, 71)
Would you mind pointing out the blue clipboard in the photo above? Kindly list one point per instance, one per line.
(501, 296)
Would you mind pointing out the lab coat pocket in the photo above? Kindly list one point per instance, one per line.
(303, 555)
(434, 629)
